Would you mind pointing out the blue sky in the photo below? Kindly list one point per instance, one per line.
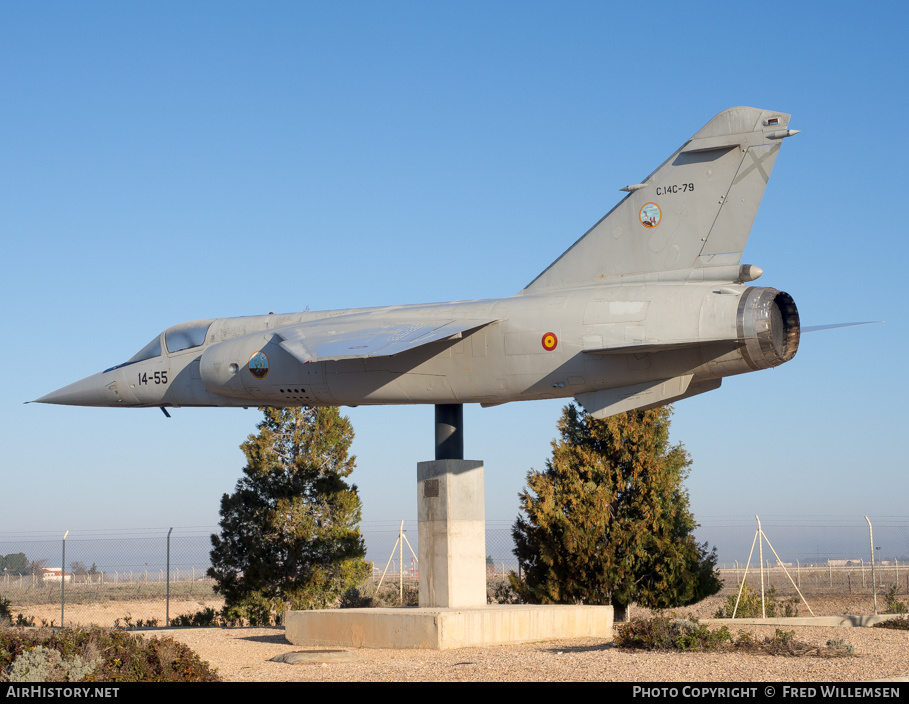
(169, 161)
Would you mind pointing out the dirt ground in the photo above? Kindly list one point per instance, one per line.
(107, 613)
(244, 654)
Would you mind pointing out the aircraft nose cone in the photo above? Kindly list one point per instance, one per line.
(95, 390)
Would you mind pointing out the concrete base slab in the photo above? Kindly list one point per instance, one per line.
(443, 629)
(828, 621)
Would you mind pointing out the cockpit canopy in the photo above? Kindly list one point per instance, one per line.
(187, 335)
(177, 338)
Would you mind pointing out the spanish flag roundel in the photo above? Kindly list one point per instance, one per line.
(550, 341)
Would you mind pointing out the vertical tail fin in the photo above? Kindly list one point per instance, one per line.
(693, 213)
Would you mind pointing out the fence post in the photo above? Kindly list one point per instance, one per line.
(63, 581)
(761, 563)
(401, 560)
(873, 582)
(167, 597)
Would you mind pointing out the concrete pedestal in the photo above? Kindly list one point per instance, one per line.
(452, 534)
(444, 629)
(452, 553)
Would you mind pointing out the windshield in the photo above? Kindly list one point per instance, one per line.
(186, 335)
(152, 349)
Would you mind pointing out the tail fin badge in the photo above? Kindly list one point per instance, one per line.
(650, 215)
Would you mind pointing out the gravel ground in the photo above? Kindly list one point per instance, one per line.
(242, 654)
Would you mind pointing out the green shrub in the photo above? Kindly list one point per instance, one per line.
(254, 610)
(389, 595)
(840, 644)
(750, 605)
(899, 624)
(6, 615)
(355, 598)
(666, 632)
(98, 655)
(205, 618)
(41, 664)
(500, 590)
(784, 643)
(894, 606)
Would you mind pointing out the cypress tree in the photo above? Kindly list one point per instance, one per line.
(289, 532)
(608, 521)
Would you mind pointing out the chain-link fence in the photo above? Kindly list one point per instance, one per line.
(816, 556)
(147, 577)
(109, 576)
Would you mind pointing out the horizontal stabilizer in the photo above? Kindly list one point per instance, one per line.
(602, 404)
(608, 402)
(701, 387)
(361, 336)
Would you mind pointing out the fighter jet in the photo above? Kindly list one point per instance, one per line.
(652, 305)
